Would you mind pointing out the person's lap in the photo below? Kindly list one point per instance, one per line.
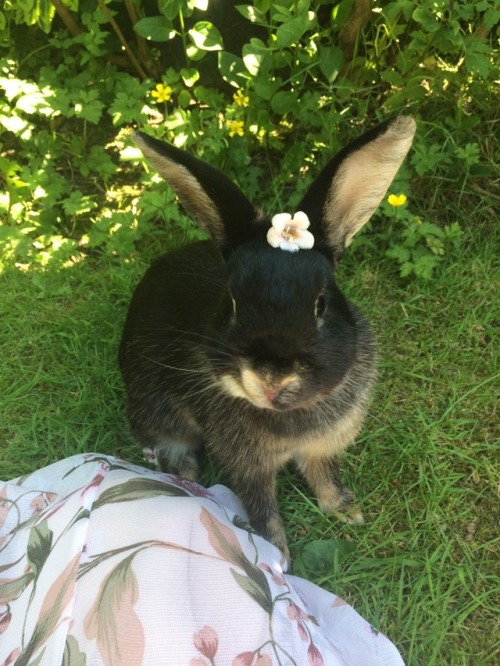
(103, 562)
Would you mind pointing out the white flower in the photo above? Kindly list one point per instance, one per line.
(290, 233)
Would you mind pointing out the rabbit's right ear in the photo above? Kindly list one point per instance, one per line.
(214, 202)
(348, 190)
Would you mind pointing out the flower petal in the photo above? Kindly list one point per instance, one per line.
(280, 220)
(301, 220)
(273, 237)
(305, 240)
(289, 246)
(397, 199)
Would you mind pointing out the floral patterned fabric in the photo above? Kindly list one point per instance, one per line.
(103, 563)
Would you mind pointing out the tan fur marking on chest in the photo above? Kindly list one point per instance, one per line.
(336, 439)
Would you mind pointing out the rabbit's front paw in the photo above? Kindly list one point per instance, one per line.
(274, 533)
(342, 503)
(178, 459)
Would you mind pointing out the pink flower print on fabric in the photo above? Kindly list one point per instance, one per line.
(290, 233)
(252, 659)
(42, 501)
(277, 579)
(89, 492)
(296, 613)
(206, 641)
(314, 657)
(5, 618)
(11, 659)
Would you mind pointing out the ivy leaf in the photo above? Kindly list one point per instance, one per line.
(206, 36)
(291, 31)
(190, 76)
(155, 28)
(256, 57)
(232, 69)
(252, 14)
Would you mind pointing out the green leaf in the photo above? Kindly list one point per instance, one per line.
(73, 656)
(39, 545)
(427, 18)
(423, 266)
(321, 555)
(88, 106)
(256, 57)
(252, 14)
(37, 660)
(284, 102)
(190, 76)
(184, 99)
(113, 620)
(291, 31)
(399, 253)
(266, 89)
(155, 28)
(478, 62)
(331, 60)
(172, 8)
(140, 488)
(253, 588)
(341, 13)
(232, 69)
(393, 77)
(206, 36)
(12, 588)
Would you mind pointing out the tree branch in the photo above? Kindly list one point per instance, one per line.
(122, 39)
(360, 14)
(65, 16)
(145, 56)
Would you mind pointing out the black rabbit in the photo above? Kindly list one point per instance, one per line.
(252, 350)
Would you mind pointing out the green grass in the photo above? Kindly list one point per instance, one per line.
(422, 568)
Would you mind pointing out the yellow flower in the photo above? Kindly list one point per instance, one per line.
(236, 127)
(240, 99)
(397, 199)
(162, 93)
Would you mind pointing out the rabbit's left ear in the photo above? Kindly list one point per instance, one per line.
(214, 202)
(351, 186)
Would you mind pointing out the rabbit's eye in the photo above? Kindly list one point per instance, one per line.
(319, 309)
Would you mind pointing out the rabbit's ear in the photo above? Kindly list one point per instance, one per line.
(348, 190)
(214, 202)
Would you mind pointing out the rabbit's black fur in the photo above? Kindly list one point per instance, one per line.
(251, 350)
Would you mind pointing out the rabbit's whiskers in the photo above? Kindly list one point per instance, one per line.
(172, 367)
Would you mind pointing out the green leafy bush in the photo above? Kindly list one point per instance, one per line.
(267, 91)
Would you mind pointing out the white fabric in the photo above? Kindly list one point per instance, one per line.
(103, 563)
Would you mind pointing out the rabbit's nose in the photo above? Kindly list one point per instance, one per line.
(273, 393)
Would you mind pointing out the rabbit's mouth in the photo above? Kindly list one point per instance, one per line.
(264, 390)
